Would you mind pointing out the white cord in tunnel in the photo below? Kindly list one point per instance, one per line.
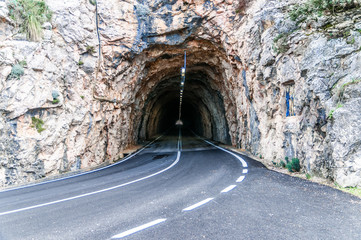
(183, 79)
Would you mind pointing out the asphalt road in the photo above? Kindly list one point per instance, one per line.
(180, 188)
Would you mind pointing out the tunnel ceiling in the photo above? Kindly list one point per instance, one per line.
(205, 95)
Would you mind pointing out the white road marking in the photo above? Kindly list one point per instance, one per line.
(244, 164)
(95, 192)
(229, 188)
(240, 179)
(81, 174)
(180, 144)
(245, 171)
(137, 229)
(198, 204)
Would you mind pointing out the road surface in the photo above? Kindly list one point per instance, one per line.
(180, 188)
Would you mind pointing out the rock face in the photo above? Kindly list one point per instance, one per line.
(255, 79)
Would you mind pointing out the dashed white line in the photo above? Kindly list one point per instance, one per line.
(245, 171)
(95, 192)
(198, 204)
(240, 179)
(229, 188)
(140, 228)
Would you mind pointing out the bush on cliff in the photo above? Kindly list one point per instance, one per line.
(29, 15)
(38, 124)
(294, 165)
(300, 12)
(16, 72)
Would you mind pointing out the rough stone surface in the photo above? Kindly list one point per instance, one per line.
(236, 77)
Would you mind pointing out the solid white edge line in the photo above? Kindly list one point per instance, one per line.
(229, 188)
(81, 174)
(245, 171)
(140, 228)
(198, 204)
(244, 163)
(95, 192)
(240, 179)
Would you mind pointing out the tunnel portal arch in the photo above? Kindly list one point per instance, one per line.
(207, 109)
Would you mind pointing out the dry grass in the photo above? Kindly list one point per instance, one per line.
(352, 190)
(29, 15)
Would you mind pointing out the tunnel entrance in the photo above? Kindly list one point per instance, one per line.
(203, 109)
(208, 100)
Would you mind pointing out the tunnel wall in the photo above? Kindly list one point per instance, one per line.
(252, 58)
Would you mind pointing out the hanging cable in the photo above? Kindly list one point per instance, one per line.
(182, 83)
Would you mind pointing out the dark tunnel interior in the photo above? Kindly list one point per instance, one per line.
(202, 109)
(191, 117)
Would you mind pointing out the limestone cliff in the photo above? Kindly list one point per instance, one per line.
(259, 80)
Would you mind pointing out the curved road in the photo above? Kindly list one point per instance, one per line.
(180, 188)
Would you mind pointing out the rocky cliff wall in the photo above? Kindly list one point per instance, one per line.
(245, 65)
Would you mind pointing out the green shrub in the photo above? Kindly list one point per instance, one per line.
(308, 176)
(343, 87)
(294, 165)
(23, 63)
(29, 15)
(93, 2)
(330, 114)
(80, 63)
(55, 94)
(38, 124)
(352, 41)
(300, 12)
(90, 49)
(281, 164)
(16, 72)
(280, 44)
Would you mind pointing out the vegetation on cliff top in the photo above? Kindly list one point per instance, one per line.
(300, 12)
(29, 15)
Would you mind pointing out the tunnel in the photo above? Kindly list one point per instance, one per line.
(203, 108)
